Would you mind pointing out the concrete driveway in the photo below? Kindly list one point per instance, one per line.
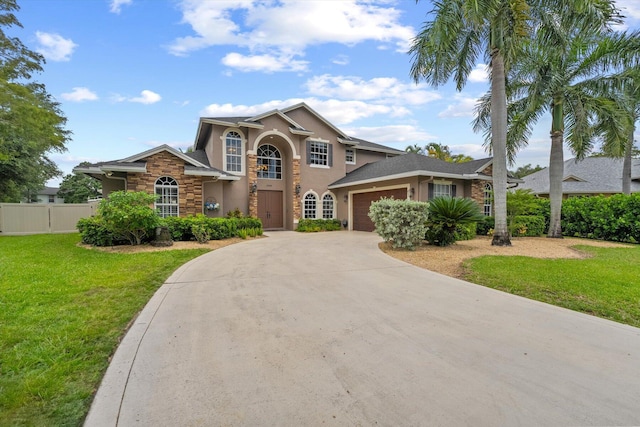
(324, 329)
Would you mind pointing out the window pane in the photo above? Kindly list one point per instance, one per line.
(327, 206)
(167, 202)
(269, 162)
(234, 152)
(441, 190)
(319, 153)
(309, 206)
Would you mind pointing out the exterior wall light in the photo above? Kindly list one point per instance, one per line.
(254, 187)
(298, 188)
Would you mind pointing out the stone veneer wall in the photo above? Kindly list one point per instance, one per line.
(297, 205)
(165, 164)
(252, 159)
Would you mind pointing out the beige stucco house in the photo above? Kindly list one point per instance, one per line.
(285, 165)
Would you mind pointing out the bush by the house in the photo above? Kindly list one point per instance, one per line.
(522, 203)
(527, 226)
(486, 226)
(401, 222)
(446, 215)
(128, 215)
(93, 232)
(615, 218)
(313, 225)
(466, 232)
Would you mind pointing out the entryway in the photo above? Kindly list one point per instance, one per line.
(270, 207)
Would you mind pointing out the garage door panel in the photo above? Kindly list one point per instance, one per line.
(362, 202)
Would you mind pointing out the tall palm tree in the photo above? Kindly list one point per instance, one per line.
(451, 44)
(574, 85)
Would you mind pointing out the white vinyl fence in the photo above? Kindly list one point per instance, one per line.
(40, 218)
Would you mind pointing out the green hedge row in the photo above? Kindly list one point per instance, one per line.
(313, 225)
(93, 231)
(615, 218)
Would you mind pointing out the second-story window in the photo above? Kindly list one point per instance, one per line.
(319, 153)
(233, 152)
(350, 156)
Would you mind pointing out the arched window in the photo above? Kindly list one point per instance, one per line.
(487, 199)
(167, 196)
(269, 162)
(310, 203)
(233, 152)
(328, 202)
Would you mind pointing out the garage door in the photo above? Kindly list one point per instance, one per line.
(362, 201)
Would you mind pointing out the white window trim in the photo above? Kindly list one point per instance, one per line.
(177, 204)
(321, 208)
(353, 162)
(279, 158)
(243, 157)
(327, 143)
(318, 203)
(484, 199)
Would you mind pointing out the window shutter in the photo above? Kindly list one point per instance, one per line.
(308, 152)
(330, 148)
(453, 191)
(430, 190)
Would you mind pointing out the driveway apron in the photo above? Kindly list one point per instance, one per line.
(325, 329)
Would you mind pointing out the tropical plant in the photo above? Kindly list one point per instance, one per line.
(450, 45)
(448, 214)
(129, 215)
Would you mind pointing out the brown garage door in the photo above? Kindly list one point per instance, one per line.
(362, 201)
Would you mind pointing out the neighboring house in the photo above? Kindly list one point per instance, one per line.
(591, 176)
(49, 195)
(285, 165)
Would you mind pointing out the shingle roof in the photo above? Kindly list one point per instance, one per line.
(411, 165)
(364, 144)
(593, 175)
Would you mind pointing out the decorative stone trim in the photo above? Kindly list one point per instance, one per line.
(297, 207)
(252, 160)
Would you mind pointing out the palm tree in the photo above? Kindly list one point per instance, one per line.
(415, 149)
(573, 84)
(451, 44)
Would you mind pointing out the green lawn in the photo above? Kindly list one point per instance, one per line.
(63, 309)
(606, 285)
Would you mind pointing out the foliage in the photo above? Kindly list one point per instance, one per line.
(525, 170)
(129, 215)
(64, 311)
(438, 151)
(78, 188)
(466, 232)
(607, 284)
(524, 203)
(527, 226)
(313, 225)
(248, 222)
(216, 228)
(200, 229)
(236, 213)
(446, 215)
(615, 218)
(485, 227)
(94, 232)
(402, 222)
(31, 122)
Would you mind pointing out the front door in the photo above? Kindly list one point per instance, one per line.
(270, 209)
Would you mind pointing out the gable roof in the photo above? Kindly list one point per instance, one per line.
(592, 175)
(412, 164)
(361, 144)
(196, 163)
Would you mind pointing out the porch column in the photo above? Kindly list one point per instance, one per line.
(297, 211)
(252, 176)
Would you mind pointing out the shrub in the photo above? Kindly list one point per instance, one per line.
(523, 202)
(615, 218)
(528, 225)
(401, 222)
(486, 226)
(128, 215)
(446, 214)
(466, 232)
(313, 225)
(200, 228)
(236, 213)
(247, 222)
(179, 229)
(93, 232)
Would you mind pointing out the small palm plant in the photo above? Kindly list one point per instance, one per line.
(446, 214)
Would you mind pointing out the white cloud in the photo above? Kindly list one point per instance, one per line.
(335, 111)
(386, 89)
(265, 63)
(115, 6)
(629, 8)
(399, 135)
(341, 60)
(480, 74)
(464, 107)
(54, 47)
(146, 97)
(284, 29)
(80, 94)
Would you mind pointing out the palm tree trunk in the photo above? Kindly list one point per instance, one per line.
(626, 165)
(556, 171)
(499, 143)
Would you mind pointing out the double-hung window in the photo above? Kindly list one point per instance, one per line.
(319, 153)
(233, 152)
(350, 156)
(441, 190)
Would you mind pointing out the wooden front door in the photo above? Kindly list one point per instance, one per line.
(270, 209)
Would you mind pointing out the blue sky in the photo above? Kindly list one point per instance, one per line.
(134, 74)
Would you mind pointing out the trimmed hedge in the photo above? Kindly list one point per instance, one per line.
(528, 225)
(199, 227)
(401, 222)
(615, 218)
(314, 225)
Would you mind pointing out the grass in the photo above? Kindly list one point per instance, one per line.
(63, 310)
(606, 285)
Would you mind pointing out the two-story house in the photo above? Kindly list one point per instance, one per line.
(285, 165)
